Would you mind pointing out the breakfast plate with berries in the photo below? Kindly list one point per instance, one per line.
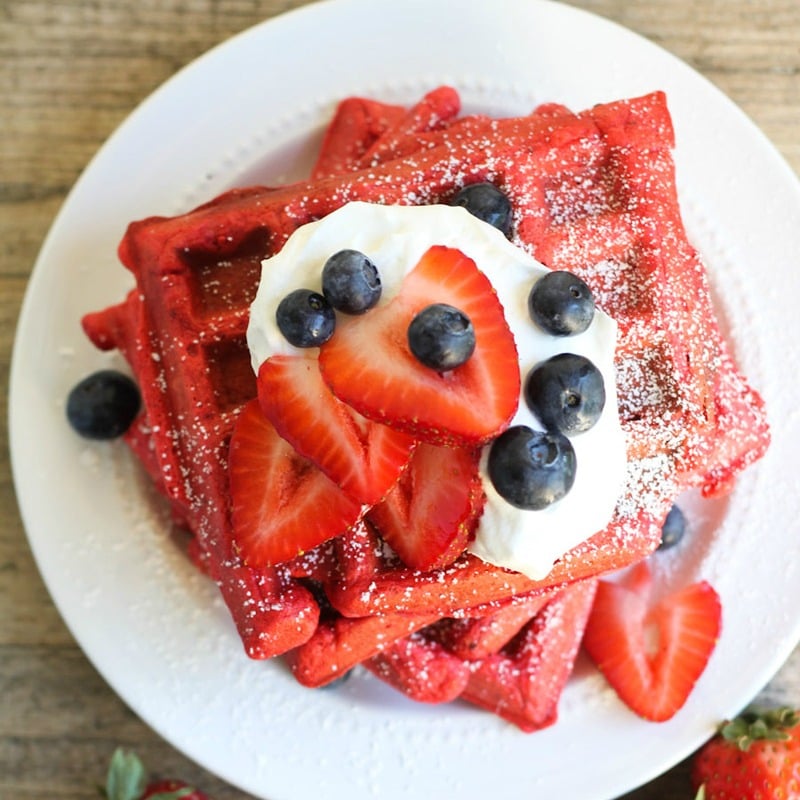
(425, 425)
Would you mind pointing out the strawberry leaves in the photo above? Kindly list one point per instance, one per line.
(127, 780)
(754, 726)
(126, 777)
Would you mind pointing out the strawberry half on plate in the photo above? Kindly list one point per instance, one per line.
(652, 653)
(368, 363)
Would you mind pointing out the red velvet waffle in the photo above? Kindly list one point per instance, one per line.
(523, 682)
(356, 125)
(520, 680)
(340, 642)
(690, 418)
(422, 669)
(364, 132)
(473, 638)
(593, 193)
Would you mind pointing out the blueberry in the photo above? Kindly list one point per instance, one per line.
(486, 202)
(103, 405)
(350, 282)
(441, 337)
(305, 318)
(561, 303)
(673, 529)
(337, 682)
(566, 393)
(531, 469)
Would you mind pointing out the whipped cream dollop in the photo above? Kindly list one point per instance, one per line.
(395, 238)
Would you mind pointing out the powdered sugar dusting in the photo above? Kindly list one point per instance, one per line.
(653, 478)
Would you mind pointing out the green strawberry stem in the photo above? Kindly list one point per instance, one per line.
(126, 780)
(126, 776)
(758, 725)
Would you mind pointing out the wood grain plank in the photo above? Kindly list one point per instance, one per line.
(70, 72)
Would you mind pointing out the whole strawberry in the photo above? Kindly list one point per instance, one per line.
(754, 757)
(126, 780)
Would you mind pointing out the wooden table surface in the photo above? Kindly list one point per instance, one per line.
(70, 72)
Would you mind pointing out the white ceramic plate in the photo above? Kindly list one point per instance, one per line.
(251, 110)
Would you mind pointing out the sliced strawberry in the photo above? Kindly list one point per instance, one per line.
(652, 655)
(362, 457)
(282, 504)
(368, 364)
(430, 513)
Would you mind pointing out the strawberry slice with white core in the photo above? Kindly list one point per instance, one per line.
(281, 503)
(652, 654)
(364, 458)
(368, 363)
(430, 513)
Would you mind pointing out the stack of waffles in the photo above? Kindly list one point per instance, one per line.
(593, 193)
